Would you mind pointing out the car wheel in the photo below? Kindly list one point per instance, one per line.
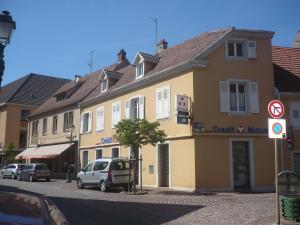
(80, 184)
(48, 179)
(103, 186)
(13, 176)
(31, 179)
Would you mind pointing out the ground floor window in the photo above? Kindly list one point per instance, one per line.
(85, 158)
(98, 153)
(296, 162)
(115, 153)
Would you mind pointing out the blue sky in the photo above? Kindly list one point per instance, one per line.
(55, 37)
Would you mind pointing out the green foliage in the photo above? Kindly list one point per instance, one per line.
(139, 132)
(9, 151)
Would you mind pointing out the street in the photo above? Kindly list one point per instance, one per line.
(159, 206)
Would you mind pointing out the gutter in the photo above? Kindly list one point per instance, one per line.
(165, 73)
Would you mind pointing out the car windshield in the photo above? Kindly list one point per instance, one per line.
(21, 166)
(40, 167)
(120, 165)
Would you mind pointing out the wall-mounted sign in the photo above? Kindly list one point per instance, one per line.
(107, 140)
(182, 119)
(182, 103)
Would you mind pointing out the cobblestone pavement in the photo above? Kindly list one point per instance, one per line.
(158, 206)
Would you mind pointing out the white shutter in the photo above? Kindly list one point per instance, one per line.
(81, 123)
(253, 97)
(159, 103)
(113, 115)
(127, 109)
(166, 101)
(251, 49)
(100, 119)
(224, 96)
(90, 122)
(118, 112)
(101, 126)
(142, 107)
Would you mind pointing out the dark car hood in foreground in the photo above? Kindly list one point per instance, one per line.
(20, 209)
(24, 209)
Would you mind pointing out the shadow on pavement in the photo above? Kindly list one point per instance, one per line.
(97, 212)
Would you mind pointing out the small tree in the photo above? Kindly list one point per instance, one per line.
(10, 152)
(136, 133)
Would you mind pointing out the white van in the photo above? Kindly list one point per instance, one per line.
(105, 173)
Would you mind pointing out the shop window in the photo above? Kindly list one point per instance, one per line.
(85, 158)
(98, 153)
(115, 153)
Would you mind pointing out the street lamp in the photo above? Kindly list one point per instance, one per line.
(72, 136)
(7, 25)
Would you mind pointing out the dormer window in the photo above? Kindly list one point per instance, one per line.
(60, 97)
(104, 84)
(139, 70)
(236, 49)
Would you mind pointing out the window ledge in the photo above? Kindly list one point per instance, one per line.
(163, 118)
(239, 114)
(237, 58)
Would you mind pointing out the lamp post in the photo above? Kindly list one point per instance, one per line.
(7, 25)
(71, 138)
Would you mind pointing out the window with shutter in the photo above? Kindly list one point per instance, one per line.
(100, 118)
(163, 102)
(116, 113)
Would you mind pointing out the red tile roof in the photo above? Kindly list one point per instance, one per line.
(286, 68)
(287, 58)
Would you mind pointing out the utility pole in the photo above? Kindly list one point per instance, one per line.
(155, 20)
(91, 60)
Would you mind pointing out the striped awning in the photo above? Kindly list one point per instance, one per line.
(46, 151)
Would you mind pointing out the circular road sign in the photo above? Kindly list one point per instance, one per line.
(277, 128)
(276, 109)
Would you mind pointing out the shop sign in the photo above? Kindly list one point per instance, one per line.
(240, 129)
(107, 140)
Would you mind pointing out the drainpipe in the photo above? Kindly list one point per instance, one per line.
(277, 94)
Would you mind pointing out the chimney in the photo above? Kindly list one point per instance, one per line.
(121, 56)
(77, 77)
(296, 43)
(162, 45)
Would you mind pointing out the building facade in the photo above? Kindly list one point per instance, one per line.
(210, 95)
(17, 101)
(54, 126)
(287, 82)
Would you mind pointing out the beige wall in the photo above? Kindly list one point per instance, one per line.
(178, 85)
(203, 160)
(10, 123)
(61, 135)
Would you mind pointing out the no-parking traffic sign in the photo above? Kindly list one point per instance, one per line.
(277, 128)
(276, 109)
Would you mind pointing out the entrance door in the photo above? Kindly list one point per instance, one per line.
(163, 154)
(241, 170)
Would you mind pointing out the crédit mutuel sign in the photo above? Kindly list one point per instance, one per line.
(240, 129)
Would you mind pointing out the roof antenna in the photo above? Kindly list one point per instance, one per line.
(91, 61)
(155, 20)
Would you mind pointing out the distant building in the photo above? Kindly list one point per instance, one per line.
(18, 100)
(287, 82)
(55, 121)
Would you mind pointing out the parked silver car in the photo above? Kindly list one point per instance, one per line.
(34, 171)
(105, 173)
(11, 170)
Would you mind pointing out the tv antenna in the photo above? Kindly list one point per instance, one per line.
(91, 60)
(155, 20)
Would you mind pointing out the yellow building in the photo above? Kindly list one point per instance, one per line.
(223, 80)
(18, 99)
(54, 126)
